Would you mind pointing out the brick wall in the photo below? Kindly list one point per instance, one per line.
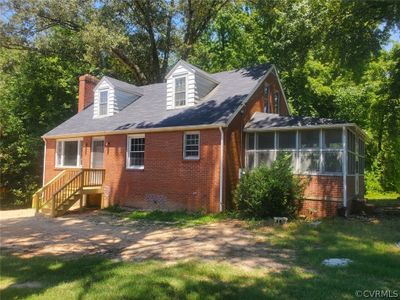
(235, 141)
(323, 195)
(86, 94)
(50, 170)
(323, 187)
(167, 181)
(320, 208)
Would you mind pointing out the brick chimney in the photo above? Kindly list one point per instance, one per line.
(86, 95)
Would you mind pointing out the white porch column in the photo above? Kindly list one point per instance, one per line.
(344, 163)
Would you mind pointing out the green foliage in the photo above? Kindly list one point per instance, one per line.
(178, 218)
(329, 54)
(38, 93)
(269, 191)
(330, 61)
(116, 209)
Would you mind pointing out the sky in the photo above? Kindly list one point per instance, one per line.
(394, 38)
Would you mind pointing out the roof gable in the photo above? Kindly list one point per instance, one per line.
(193, 69)
(120, 85)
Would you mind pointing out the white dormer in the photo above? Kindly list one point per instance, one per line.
(187, 85)
(112, 95)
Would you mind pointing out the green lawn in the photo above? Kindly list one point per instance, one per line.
(371, 246)
(383, 199)
(175, 218)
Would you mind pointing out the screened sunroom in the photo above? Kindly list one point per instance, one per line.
(316, 146)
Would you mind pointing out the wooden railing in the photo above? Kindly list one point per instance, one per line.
(66, 184)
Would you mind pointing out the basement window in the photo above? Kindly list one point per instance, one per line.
(68, 154)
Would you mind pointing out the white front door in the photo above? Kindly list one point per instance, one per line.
(97, 153)
(96, 160)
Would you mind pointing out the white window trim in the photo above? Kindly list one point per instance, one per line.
(79, 157)
(97, 103)
(184, 146)
(128, 150)
(185, 75)
(107, 100)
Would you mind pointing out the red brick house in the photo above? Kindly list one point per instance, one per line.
(183, 144)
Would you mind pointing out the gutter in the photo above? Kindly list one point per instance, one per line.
(221, 171)
(133, 131)
(283, 128)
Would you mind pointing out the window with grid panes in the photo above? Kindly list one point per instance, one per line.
(180, 91)
(136, 152)
(191, 145)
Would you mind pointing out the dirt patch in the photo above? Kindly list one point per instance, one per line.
(96, 232)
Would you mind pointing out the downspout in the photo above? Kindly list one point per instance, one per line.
(221, 170)
(44, 162)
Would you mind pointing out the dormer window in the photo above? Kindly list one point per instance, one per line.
(103, 104)
(187, 85)
(180, 91)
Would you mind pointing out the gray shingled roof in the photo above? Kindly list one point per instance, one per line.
(149, 111)
(123, 85)
(270, 121)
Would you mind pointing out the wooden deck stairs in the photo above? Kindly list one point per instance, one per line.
(57, 196)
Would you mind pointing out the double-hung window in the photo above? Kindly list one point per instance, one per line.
(136, 145)
(266, 98)
(276, 103)
(180, 91)
(191, 145)
(68, 154)
(103, 103)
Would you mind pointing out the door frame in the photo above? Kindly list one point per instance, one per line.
(97, 138)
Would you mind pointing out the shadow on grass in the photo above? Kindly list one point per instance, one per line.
(97, 278)
(370, 245)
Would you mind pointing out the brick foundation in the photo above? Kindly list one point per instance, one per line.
(320, 208)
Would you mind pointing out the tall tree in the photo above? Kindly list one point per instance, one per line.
(141, 35)
(326, 52)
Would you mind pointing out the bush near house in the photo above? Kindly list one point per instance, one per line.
(270, 191)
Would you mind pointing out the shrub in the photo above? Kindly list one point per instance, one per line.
(269, 191)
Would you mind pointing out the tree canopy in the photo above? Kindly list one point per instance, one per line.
(329, 53)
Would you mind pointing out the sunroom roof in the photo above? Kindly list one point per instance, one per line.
(270, 122)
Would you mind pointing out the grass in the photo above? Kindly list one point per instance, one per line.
(178, 218)
(371, 246)
(383, 199)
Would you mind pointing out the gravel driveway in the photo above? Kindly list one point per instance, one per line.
(101, 233)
